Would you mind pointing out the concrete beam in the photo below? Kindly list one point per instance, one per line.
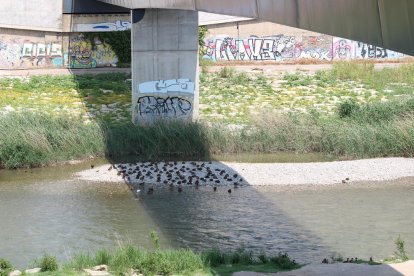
(164, 65)
(384, 23)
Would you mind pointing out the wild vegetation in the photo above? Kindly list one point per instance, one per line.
(127, 259)
(351, 111)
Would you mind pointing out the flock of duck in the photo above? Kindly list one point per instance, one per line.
(178, 174)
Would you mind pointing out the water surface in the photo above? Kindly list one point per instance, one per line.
(46, 210)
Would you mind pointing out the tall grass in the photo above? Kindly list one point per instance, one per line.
(367, 74)
(33, 139)
(375, 130)
(127, 257)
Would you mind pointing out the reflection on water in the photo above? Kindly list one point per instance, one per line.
(45, 210)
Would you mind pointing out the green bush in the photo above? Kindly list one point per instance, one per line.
(347, 108)
(5, 264)
(48, 263)
(283, 261)
(401, 253)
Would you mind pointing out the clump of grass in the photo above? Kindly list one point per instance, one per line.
(400, 254)
(227, 72)
(5, 267)
(376, 112)
(165, 262)
(48, 263)
(365, 72)
(284, 262)
(297, 79)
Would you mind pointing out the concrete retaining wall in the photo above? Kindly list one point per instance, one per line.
(21, 49)
(263, 41)
(42, 15)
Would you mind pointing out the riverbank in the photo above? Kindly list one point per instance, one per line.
(351, 111)
(184, 174)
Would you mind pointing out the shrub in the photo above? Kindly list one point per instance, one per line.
(48, 263)
(347, 109)
(400, 253)
(283, 261)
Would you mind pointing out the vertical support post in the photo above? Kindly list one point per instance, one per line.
(164, 65)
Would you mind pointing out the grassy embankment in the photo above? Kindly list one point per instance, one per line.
(128, 259)
(351, 111)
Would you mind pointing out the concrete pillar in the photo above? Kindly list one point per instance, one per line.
(164, 65)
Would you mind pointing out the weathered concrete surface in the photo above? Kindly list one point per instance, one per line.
(406, 269)
(385, 23)
(164, 65)
(44, 15)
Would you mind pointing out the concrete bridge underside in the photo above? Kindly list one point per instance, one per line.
(165, 41)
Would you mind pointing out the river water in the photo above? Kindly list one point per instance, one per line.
(48, 211)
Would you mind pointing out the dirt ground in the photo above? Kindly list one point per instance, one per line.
(240, 67)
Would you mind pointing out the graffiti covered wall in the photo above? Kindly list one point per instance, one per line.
(63, 51)
(84, 54)
(291, 48)
(22, 53)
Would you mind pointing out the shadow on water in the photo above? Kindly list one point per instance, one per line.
(200, 218)
(212, 211)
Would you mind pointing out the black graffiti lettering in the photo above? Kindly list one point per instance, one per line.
(174, 107)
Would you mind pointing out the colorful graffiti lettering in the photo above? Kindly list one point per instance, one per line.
(15, 53)
(291, 48)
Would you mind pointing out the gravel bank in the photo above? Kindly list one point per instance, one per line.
(214, 173)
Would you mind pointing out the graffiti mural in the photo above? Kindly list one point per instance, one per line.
(291, 48)
(315, 47)
(104, 27)
(40, 54)
(9, 54)
(343, 48)
(150, 107)
(268, 48)
(23, 53)
(84, 55)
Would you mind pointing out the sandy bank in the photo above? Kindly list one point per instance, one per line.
(327, 173)
(339, 269)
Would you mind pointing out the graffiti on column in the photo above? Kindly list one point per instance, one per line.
(165, 86)
(165, 99)
(150, 107)
(291, 48)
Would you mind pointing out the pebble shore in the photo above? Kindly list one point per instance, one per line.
(257, 174)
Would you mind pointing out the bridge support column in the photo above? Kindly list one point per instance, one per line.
(164, 65)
